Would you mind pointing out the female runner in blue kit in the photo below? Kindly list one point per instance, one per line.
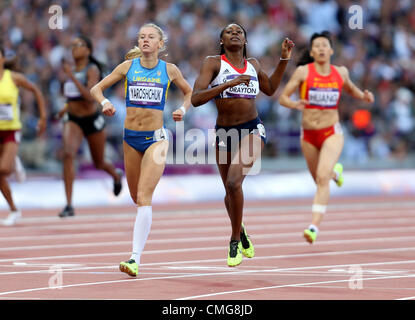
(147, 79)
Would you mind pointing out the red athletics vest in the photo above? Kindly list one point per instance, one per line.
(322, 92)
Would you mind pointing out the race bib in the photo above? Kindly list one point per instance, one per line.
(17, 136)
(160, 134)
(338, 128)
(324, 97)
(260, 130)
(70, 90)
(145, 93)
(99, 123)
(243, 91)
(6, 112)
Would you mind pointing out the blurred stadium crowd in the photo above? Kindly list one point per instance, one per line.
(380, 57)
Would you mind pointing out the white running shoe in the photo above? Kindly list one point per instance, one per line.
(19, 171)
(13, 217)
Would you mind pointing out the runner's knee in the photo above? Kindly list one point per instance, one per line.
(323, 178)
(68, 155)
(232, 185)
(143, 198)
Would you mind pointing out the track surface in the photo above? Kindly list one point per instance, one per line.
(365, 250)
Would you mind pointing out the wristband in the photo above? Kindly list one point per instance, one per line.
(103, 102)
(285, 59)
(183, 109)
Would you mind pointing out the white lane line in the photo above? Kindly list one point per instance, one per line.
(184, 262)
(180, 216)
(279, 235)
(312, 254)
(216, 216)
(41, 237)
(216, 248)
(167, 265)
(219, 217)
(390, 229)
(270, 225)
(232, 272)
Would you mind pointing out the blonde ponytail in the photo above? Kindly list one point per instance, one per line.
(133, 53)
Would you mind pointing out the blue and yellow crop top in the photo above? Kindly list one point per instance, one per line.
(146, 88)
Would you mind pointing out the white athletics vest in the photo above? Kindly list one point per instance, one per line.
(228, 72)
